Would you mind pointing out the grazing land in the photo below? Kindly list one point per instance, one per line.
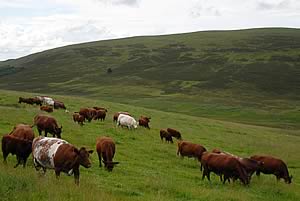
(149, 169)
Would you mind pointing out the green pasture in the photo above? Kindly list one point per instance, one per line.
(149, 169)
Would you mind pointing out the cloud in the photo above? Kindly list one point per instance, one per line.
(202, 10)
(266, 5)
(120, 2)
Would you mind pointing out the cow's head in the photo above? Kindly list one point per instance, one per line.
(288, 180)
(109, 165)
(58, 132)
(84, 157)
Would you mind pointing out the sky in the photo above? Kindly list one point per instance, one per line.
(29, 26)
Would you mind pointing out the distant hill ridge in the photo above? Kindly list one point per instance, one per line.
(261, 60)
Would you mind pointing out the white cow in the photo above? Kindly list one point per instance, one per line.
(46, 100)
(126, 120)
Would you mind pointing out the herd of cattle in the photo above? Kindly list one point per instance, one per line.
(58, 154)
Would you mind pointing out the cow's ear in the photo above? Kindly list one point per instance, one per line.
(91, 151)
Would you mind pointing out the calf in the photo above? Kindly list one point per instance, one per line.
(144, 121)
(128, 121)
(222, 164)
(58, 154)
(59, 105)
(106, 148)
(189, 149)
(46, 108)
(274, 166)
(78, 118)
(165, 134)
(174, 133)
(47, 124)
(16, 146)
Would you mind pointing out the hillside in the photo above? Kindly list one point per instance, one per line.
(241, 70)
(149, 169)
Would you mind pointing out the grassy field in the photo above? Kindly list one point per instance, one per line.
(149, 169)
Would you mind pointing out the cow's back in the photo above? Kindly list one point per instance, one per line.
(44, 150)
(23, 131)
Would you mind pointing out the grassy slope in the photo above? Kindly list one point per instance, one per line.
(149, 169)
(229, 75)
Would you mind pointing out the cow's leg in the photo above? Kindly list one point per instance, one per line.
(257, 173)
(24, 162)
(57, 172)
(44, 170)
(99, 156)
(18, 163)
(46, 132)
(4, 157)
(40, 131)
(76, 175)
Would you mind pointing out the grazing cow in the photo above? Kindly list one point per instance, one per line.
(46, 100)
(274, 166)
(26, 100)
(16, 146)
(126, 120)
(100, 108)
(100, 114)
(174, 133)
(88, 113)
(37, 101)
(144, 121)
(58, 154)
(78, 118)
(116, 115)
(249, 165)
(47, 124)
(165, 134)
(59, 104)
(222, 164)
(185, 148)
(23, 131)
(106, 148)
(46, 108)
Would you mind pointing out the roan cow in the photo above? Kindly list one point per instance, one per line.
(58, 154)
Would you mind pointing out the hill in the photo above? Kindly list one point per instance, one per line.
(149, 169)
(254, 71)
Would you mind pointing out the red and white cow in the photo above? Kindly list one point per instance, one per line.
(58, 154)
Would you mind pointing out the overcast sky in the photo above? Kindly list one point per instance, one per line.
(28, 26)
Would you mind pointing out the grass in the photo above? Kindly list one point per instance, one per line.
(148, 169)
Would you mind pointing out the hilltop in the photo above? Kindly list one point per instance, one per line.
(244, 73)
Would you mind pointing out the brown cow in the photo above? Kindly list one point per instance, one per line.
(174, 133)
(16, 146)
(59, 104)
(58, 154)
(274, 166)
(249, 165)
(26, 100)
(37, 101)
(165, 134)
(46, 108)
(105, 147)
(78, 118)
(222, 164)
(116, 115)
(23, 131)
(100, 114)
(144, 121)
(100, 108)
(189, 149)
(88, 113)
(47, 124)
